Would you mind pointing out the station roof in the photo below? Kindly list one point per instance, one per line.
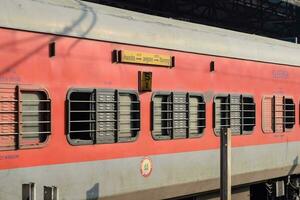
(294, 2)
(278, 19)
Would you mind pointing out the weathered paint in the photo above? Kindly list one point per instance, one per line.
(180, 166)
(87, 20)
(84, 63)
(118, 177)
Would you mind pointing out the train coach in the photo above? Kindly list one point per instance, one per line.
(103, 103)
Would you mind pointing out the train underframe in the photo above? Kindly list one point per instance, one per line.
(282, 188)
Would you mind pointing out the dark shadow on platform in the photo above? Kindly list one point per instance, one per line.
(295, 164)
(93, 193)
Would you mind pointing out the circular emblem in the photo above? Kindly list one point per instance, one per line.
(146, 167)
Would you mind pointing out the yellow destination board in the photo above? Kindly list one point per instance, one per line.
(133, 57)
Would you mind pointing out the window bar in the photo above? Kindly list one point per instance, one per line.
(117, 115)
(283, 114)
(204, 110)
(33, 111)
(85, 131)
(8, 112)
(173, 112)
(97, 128)
(82, 101)
(229, 111)
(188, 115)
(39, 132)
(224, 113)
(273, 114)
(45, 100)
(139, 115)
(69, 116)
(254, 109)
(241, 114)
(19, 117)
(47, 116)
(290, 110)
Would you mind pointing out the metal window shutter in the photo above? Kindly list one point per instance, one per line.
(179, 116)
(218, 114)
(106, 116)
(168, 116)
(267, 114)
(194, 115)
(235, 114)
(278, 113)
(8, 108)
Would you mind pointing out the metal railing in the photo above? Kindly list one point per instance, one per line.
(175, 119)
(104, 117)
(240, 117)
(16, 123)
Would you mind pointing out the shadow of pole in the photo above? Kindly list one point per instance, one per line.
(65, 31)
(94, 20)
(295, 164)
(93, 193)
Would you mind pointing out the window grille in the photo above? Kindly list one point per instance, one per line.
(177, 115)
(102, 116)
(278, 114)
(234, 111)
(24, 117)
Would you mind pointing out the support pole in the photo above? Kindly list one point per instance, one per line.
(225, 147)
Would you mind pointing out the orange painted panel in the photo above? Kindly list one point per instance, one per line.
(88, 64)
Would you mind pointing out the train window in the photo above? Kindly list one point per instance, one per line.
(25, 118)
(234, 111)
(197, 120)
(129, 116)
(289, 113)
(82, 121)
(177, 115)
(97, 116)
(278, 114)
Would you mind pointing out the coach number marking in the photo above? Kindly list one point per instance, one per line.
(146, 167)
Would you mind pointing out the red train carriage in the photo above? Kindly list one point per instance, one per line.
(73, 118)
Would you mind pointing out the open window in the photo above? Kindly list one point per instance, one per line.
(102, 116)
(177, 115)
(234, 111)
(278, 114)
(25, 119)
